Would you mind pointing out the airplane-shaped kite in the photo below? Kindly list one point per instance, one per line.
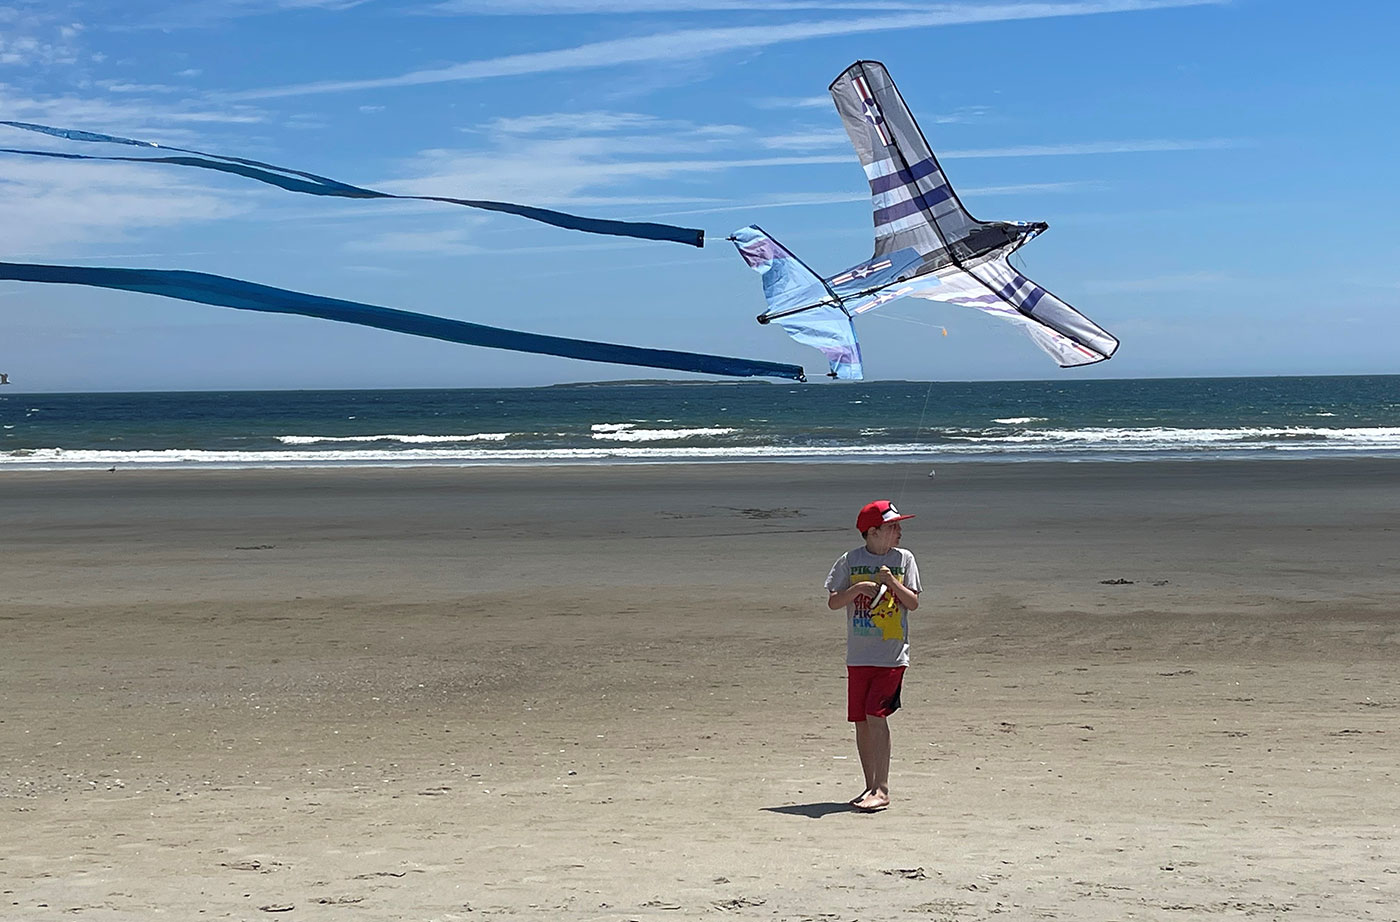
(926, 246)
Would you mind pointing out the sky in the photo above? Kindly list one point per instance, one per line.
(1217, 177)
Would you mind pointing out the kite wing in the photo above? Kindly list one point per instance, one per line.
(220, 291)
(312, 184)
(800, 302)
(915, 206)
(996, 288)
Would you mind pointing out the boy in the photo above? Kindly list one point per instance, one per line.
(878, 585)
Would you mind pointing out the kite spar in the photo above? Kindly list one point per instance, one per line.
(926, 246)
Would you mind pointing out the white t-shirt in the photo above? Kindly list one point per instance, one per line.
(879, 637)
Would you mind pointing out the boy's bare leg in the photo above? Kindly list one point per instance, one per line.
(873, 744)
(866, 766)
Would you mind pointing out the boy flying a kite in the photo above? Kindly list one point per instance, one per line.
(878, 585)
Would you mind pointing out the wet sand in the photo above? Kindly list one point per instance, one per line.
(1138, 691)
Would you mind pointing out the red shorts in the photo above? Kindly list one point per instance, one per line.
(872, 690)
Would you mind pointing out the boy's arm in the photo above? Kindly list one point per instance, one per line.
(908, 590)
(906, 596)
(840, 598)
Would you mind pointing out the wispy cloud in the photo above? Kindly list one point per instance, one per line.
(48, 208)
(1186, 281)
(117, 86)
(457, 243)
(38, 37)
(451, 241)
(1159, 145)
(185, 15)
(1028, 188)
(581, 167)
(798, 200)
(575, 159)
(124, 113)
(816, 139)
(689, 44)
(792, 102)
(589, 157)
(633, 7)
(598, 122)
(575, 166)
(960, 115)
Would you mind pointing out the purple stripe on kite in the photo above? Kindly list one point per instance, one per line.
(1033, 299)
(839, 354)
(918, 203)
(762, 250)
(896, 211)
(1028, 302)
(903, 177)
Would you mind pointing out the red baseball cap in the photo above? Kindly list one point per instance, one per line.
(880, 512)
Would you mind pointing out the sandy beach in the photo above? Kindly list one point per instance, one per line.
(1158, 690)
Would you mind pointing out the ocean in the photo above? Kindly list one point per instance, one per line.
(654, 422)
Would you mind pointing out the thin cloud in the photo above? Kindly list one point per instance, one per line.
(633, 7)
(799, 200)
(805, 140)
(208, 12)
(1160, 145)
(1027, 188)
(1186, 281)
(579, 166)
(791, 102)
(688, 44)
(31, 40)
(454, 242)
(572, 123)
(573, 159)
(122, 113)
(457, 243)
(48, 208)
(114, 86)
(962, 115)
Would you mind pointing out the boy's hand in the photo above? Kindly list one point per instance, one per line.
(867, 588)
(885, 576)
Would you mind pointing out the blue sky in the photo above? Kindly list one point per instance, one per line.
(1217, 177)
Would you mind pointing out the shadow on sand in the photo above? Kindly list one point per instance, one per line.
(812, 811)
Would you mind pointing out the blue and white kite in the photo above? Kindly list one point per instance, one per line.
(926, 246)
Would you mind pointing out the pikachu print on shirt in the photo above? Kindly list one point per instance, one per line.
(885, 619)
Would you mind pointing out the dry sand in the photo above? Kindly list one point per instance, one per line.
(617, 694)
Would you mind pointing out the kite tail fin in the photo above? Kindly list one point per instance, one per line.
(788, 284)
(800, 302)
